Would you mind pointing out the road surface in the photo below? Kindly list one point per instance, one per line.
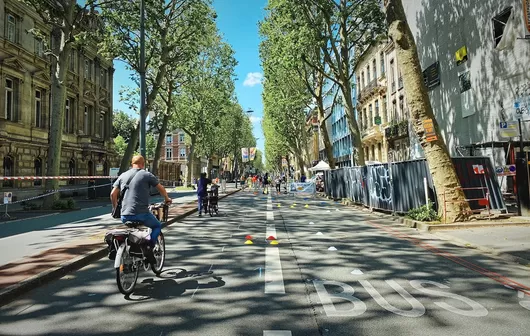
(335, 271)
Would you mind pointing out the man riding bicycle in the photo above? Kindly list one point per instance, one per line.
(135, 204)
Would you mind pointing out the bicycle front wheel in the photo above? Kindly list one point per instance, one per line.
(159, 252)
(127, 274)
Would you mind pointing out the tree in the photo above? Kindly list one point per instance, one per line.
(122, 124)
(120, 145)
(440, 164)
(199, 106)
(175, 31)
(70, 23)
(257, 163)
(284, 46)
(344, 28)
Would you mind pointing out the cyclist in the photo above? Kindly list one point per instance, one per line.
(202, 191)
(135, 203)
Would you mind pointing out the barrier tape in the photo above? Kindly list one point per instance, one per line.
(55, 177)
(51, 192)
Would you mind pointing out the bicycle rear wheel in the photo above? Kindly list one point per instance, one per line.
(159, 252)
(127, 274)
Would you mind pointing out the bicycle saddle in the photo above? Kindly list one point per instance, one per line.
(133, 224)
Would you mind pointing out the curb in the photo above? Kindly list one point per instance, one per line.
(434, 229)
(10, 293)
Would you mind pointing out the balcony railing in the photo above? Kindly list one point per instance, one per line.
(397, 130)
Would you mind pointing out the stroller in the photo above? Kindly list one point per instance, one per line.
(213, 200)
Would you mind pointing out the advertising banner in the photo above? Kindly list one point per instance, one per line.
(252, 153)
(244, 154)
(303, 188)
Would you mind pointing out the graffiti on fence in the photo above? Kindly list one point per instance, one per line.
(380, 186)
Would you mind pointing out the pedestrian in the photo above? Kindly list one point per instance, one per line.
(202, 191)
(278, 184)
(266, 183)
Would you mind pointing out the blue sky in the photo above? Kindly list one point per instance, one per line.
(238, 23)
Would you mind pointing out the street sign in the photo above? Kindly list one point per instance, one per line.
(8, 197)
(478, 169)
(506, 170)
(430, 133)
(114, 172)
(508, 129)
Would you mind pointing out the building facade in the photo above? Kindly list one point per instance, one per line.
(372, 114)
(476, 67)
(174, 156)
(25, 79)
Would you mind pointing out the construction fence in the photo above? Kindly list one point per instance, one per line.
(402, 186)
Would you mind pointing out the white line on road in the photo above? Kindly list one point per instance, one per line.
(277, 333)
(271, 231)
(270, 215)
(273, 272)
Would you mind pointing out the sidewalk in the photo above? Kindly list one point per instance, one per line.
(25, 273)
(511, 242)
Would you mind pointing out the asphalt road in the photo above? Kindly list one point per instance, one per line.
(26, 237)
(335, 271)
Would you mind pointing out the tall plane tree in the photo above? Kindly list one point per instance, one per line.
(175, 31)
(440, 164)
(344, 28)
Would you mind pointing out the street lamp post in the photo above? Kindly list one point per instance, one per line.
(142, 80)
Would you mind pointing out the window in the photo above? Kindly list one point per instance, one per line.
(402, 113)
(377, 108)
(382, 61)
(169, 153)
(370, 116)
(102, 125)
(38, 171)
(385, 114)
(69, 116)
(11, 28)
(72, 60)
(367, 74)
(88, 69)
(169, 139)
(9, 170)
(71, 170)
(392, 79)
(374, 66)
(181, 137)
(39, 47)
(362, 79)
(38, 108)
(86, 119)
(499, 25)
(394, 110)
(10, 100)
(103, 79)
(183, 153)
(365, 118)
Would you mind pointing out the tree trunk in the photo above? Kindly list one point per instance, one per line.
(190, 161)
(129, 151)
(209, 167)
(160, 143)
(322, 124)
(58, 101)
(444, 176)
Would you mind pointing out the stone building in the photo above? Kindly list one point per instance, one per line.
(371, 102)
(174, 157)
(87, 147)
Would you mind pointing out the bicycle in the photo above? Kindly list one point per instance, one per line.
(128, 248)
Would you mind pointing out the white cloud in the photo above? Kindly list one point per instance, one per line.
(253, 78)
(254, 119)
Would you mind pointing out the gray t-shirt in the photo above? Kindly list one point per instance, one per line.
(136, 199)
